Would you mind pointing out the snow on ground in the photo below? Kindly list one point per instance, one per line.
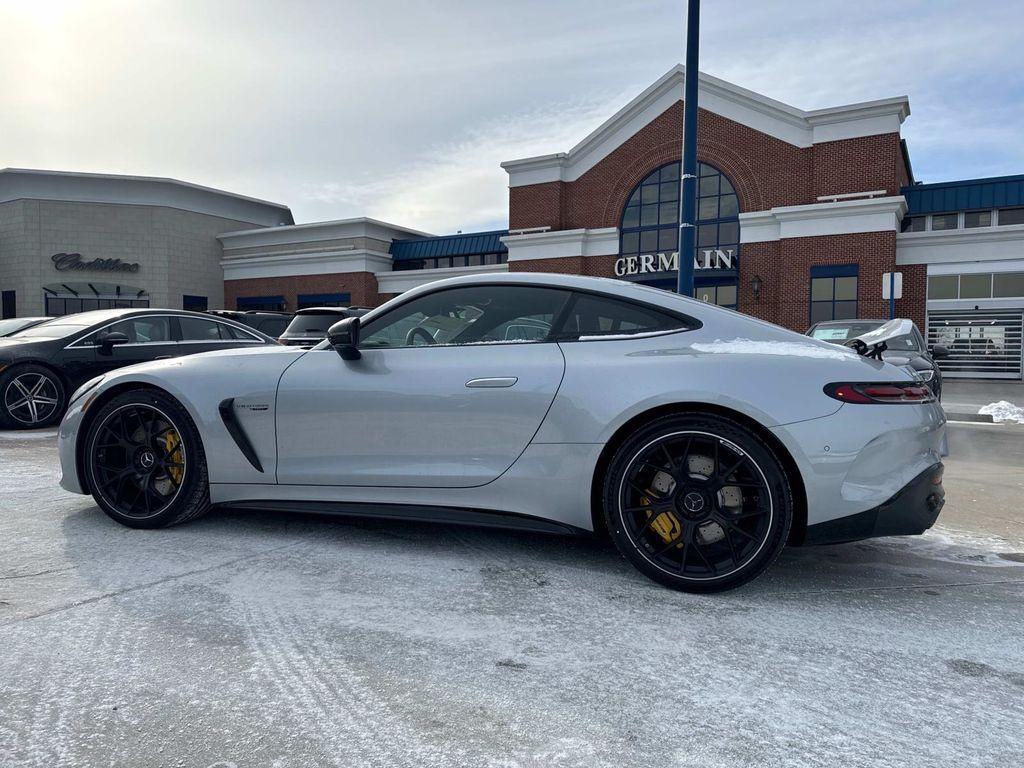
(1003, 411)
(286, 640)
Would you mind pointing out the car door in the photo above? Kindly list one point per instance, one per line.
(445, 394)
(149, 338)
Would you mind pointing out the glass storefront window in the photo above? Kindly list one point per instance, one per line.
(942, 287)
(976, 286)
(833, 293)
(1008, 284)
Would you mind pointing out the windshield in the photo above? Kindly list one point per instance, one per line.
(841, 332)
(53, 330)
(10, 326)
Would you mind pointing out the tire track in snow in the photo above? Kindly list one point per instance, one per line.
(333, 709)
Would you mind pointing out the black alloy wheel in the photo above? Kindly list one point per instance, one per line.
(699, 503)
(145, 464)
(31, 396)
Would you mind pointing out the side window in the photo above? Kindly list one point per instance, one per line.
(607, 316)
(231, 332)
(139, 330)
(274, 326)
(486, 314)
(199, 329)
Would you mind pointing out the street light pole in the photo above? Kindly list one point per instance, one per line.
(688, 177)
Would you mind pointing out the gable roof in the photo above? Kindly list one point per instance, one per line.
(796, 126)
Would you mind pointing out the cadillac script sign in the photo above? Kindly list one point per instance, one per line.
(73, 262)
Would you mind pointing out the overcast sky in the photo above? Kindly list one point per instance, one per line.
(403, 110)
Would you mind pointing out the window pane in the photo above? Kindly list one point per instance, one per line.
(631, 242)
(197, 329)
(1008, 284)
(846, 310)
(978, 219)
(707, 208)
(649, 241)
(649, 194)
(631, 218)
(821, 288)
(727, 295)
(707, 235)
(480, 314)
(914, 223)
(143, 330)
(634, 199)
(670, 191)
(649, 216)
(730, 205)
(669, 213)
(976, 286)
(846, 288)
(821, 310)
(458, 261)
(670, 172)
(601, 315)
(942, 287)
(705, 293)
(475, 260)
(945, 221)
(708, 186)
(1011, 216)
(668, 240)
(729, 232)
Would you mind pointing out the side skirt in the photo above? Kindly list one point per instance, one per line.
(480, 518)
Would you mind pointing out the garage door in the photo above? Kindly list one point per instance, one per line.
(982, 344)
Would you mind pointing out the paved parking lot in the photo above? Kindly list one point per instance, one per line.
(278, 640)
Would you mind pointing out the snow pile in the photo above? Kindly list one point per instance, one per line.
(788, 348)
(1003, 411)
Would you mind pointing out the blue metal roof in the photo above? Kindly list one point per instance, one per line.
(463, 244)
(971, 194)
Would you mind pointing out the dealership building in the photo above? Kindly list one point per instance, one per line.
(801, 214)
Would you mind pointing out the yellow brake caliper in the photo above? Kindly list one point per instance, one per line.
(666, 524)
(171, 444)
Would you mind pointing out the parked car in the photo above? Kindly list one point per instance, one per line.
(700, 439)
(271, 324)
(309, 326)
(42, 365)
(12, 325)
(907, 348)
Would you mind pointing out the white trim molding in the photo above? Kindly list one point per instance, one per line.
(844, 217)
(961, 246)
(406, 279)
(795, 126)
(563, 244)
(297, 264)
(316, 232)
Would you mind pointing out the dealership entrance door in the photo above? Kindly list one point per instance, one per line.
(983, 344)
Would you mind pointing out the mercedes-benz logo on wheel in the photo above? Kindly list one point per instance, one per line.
(693, 502)
(147, 459)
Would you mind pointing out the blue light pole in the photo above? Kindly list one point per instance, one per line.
(688, 178)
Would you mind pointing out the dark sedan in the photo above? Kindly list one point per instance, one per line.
(42, 365)
(909, 349)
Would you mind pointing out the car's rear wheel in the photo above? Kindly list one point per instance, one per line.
(31, 396)
(144, 461)
(697, 502)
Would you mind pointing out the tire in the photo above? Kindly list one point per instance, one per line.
(144, 461)
(697, 502)
(31, 396)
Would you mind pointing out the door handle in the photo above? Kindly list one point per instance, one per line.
(496, 382)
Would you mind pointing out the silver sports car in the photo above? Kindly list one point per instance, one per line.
(702, 441)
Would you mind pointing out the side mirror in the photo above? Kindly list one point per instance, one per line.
(110, 340)
(939, 352)
(343, 337)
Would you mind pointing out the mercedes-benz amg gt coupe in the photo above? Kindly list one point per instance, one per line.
(699, 439)
(41, 365)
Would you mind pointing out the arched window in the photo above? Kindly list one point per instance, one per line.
(650, 225)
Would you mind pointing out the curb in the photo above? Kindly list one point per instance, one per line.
(982, 419)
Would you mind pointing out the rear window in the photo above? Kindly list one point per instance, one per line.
(312, 324)
(844, 332)
(594, 316)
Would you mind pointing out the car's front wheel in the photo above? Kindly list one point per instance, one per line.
(31, 396)
(697, 502)
(144, 461)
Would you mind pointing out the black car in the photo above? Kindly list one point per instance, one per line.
(309, 326)
(908, 349)
(13, 325)
(41, 366)
(270, 323)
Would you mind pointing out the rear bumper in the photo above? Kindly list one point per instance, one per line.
(911, 511)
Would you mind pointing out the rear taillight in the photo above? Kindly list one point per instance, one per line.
(867, 393)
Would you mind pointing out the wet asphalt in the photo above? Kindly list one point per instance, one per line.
(281, 640)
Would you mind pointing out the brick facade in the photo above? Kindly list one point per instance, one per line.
(767, 173)
(361, 285)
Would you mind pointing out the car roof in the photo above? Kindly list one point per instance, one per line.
(325, 310)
